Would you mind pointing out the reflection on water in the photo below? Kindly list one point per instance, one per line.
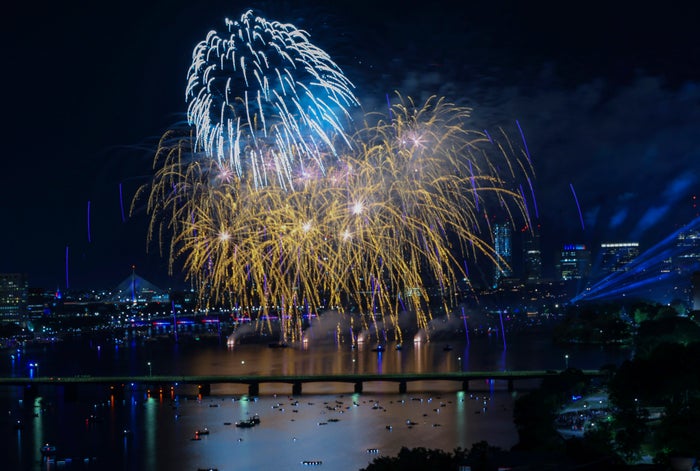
(337, 429)
(327, 422)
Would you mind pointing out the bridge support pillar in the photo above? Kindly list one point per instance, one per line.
(296, 388)
(358, 387)
(402, 387)
(465, 385)
(511, 387)
(254, 389)
(205, 389)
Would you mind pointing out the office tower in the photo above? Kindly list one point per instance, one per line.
(532, 256)
(574, 262)
(616, 256)
(687, 258)
(502, 244)
(695, 281)
(13, 296)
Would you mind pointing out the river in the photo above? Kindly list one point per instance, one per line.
(328, 423)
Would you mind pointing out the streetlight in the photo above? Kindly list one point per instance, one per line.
(566, 361)
(150, 369)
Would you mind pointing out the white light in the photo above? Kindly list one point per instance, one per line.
(357, 208)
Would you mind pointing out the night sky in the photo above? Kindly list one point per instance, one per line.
(608, 99)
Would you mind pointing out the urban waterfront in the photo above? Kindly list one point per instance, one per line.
(155, 428)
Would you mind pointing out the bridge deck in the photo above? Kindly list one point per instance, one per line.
(290, 379)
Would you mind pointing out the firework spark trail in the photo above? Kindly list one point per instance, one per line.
(522, 135)
(121, 202)
(580, 214)
(476, 199)
(399, 203)
(534, 200)
(527, 212)
(265, 98)
(335, 238)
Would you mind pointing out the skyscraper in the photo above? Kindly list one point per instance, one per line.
(574, 262)
(532, 256)
(502, 244)
(695, 281)
(687, 255)
(616, 256)
(13, 296)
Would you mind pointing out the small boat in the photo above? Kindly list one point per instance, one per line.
(379, 348)
(447, 348)
(399, 346)
(279, 344)
(247, 423)
(373, 450)
(312, 462)
(204, 431)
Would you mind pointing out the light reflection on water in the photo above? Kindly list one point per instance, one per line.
(161, 427)
(336, 429)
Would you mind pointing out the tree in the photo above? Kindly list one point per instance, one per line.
(416, 459)
(653, 333)
(533, 415)
(668, 377)
(630, 430)
(678, 434)
(596, 446)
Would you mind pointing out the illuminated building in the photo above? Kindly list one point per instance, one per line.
(532, 257)
(616, 256)
(695, 280)
(13, 296)
(687, 257)
(502, 244)
(574, 262)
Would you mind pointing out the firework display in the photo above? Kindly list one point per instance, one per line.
(265, 100)
(380, 229)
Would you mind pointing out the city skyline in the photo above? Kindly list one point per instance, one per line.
(607, 106)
